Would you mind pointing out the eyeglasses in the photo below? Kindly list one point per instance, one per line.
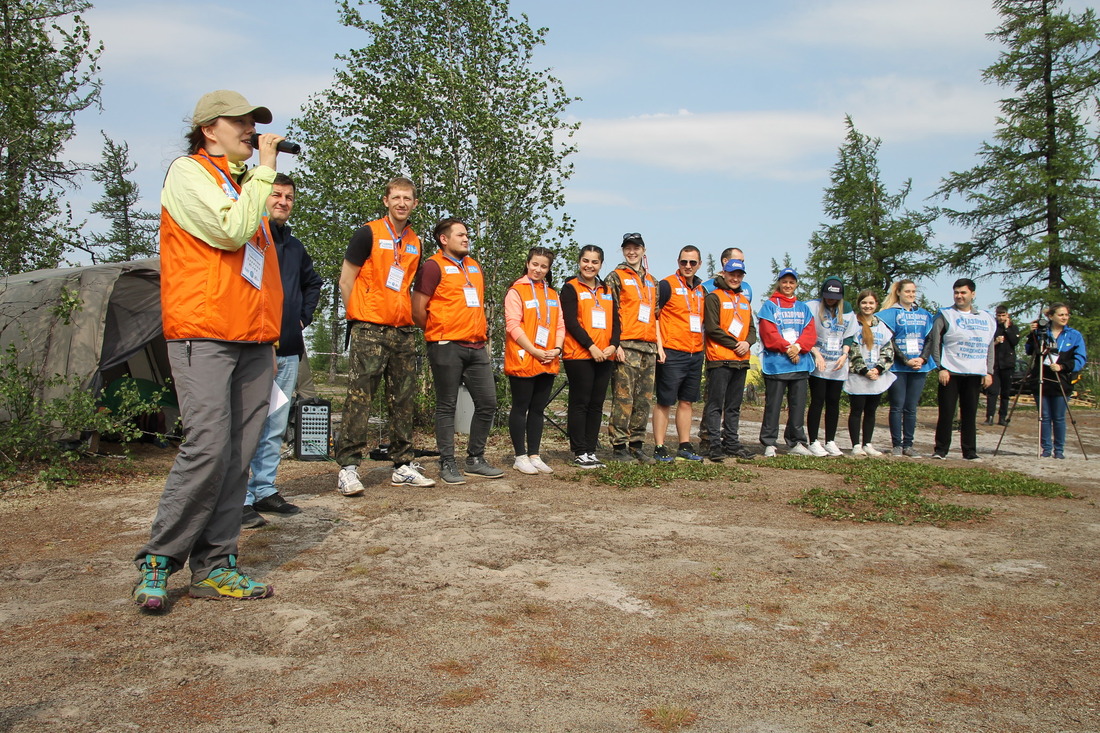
(688, 263)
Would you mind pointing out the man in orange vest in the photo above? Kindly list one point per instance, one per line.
(730, 333)
(449, 304)
(375, 281)
(680, 299)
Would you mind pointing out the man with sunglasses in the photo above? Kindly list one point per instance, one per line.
(679, 375)
(635, 292)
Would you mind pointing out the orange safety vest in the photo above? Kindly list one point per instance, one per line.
(370, 300)
(636, 291)
(586, 304)
(203, 294)
(450, 318)
(540, 308)
(676, 316)
(733, 306)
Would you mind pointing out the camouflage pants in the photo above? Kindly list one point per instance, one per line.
(377, 352)
(632, 384)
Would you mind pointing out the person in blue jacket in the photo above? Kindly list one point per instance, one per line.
(1061, 352)
(911, 325)
(788, 333)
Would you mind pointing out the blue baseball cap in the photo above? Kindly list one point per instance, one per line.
(734, 266)
(787, 271)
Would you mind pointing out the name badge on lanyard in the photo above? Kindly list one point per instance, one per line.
(599, 318)
(542, 336)
(790, 335)
(472, 300)
(253, 268)
(913, 344)
(695, 323)
(395, 278)
(832, 344)
(735, 326)
(644, 312)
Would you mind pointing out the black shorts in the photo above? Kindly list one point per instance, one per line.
(678, 379)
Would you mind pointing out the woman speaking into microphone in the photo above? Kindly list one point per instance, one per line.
(221, 303)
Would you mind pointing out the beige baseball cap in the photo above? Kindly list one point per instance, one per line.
(226, 103)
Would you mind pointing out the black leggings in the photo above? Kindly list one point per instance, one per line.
(588, 380)
(530, 395)
(824, 393)
(863, 406)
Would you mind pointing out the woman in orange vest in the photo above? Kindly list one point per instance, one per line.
(592, 332)
(534, 336)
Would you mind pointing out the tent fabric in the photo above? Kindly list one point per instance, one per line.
(117, 317)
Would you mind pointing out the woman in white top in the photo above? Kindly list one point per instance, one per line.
(872, 354)
(830, 355)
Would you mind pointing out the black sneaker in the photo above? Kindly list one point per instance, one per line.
(741, 452)
(661, 454)
(250, 519)
(277, 504)
(687, 453)
(586, 460)
(717, 456)
(638, 451)
(620, 454)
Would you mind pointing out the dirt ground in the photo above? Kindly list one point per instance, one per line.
(547, 604)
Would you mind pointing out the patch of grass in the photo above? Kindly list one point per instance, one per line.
(357, 570)
(627, 476)
(453, 667)
(669, 717)
(376, 550)
(533, 609)
(892, 491)
(550, 656)
(720, 655)
(462, 696)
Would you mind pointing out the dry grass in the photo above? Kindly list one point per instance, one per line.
(462, 697)
(669, 717)
(453, 667)
(550, 656)
(376, 550)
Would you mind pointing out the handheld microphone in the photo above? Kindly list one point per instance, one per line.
(284, 146)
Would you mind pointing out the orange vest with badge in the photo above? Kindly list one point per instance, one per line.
(203, 291)
(540, 309)
(589, 316)
(454, 314)
(735, 317)
(380, 293)
(637, 305)
(683, 310)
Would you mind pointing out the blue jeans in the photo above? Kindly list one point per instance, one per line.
(904, 397)
(1054, 416)
(265, 462)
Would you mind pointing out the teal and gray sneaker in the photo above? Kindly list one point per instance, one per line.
(229, 582)
(151, 592)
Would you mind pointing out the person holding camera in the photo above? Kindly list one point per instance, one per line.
(1060, 352)
(1004, 364)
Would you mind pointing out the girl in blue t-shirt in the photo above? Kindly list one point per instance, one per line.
(911, 325)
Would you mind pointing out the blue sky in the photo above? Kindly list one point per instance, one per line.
(706, 123)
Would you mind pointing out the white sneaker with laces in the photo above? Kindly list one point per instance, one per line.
(540, 465)
(348, 482)
(409, 475)
(769, 451)
(799, 450)
(523, 465)
(818, 449)
(857, 450)
(871, 450)
(833, 449)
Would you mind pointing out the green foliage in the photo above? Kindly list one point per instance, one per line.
(1034, 203)
(47, 75)
(34, 430)
(133, 233)
(632, 476)
(894, 491)
(874, 240)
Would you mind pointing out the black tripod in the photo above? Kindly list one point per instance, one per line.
(1045, 346)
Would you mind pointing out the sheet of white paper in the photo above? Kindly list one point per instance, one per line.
(278, 399)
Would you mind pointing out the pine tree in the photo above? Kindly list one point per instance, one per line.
(133, 232)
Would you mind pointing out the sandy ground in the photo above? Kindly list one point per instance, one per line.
(551, 604)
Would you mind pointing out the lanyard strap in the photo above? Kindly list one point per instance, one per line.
(689, 295)
(546, 299)
(396, 239)
(462, 266)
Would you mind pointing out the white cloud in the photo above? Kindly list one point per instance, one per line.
(582, 196)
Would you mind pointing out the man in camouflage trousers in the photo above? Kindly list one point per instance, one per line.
(632, 382)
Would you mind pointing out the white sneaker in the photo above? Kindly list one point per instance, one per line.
(833, 449)
(540, 465)
(818, 449)
(871, 450)
(799, 450)
(523, 465)
(409, 475)
(594, 462)
(769, 451)
(348, 482)
(857, 450)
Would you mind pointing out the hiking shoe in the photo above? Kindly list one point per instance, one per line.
(817, 449)
(798, 449)
(540, 465)
(717, 456)
(620, 454)
(769, 451)
(857, 450)
(687, 454)
(871, 450)
(229, 582)
(449, 473)
(523, 465)
(833, 449)
(348, 482)
(478, 466)
(277, 504)
(151, 592)
(661, 454)
(410, 475)
(910, 453)
(897, 451)
(250, 519)
(740, 452)
(638, 451)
